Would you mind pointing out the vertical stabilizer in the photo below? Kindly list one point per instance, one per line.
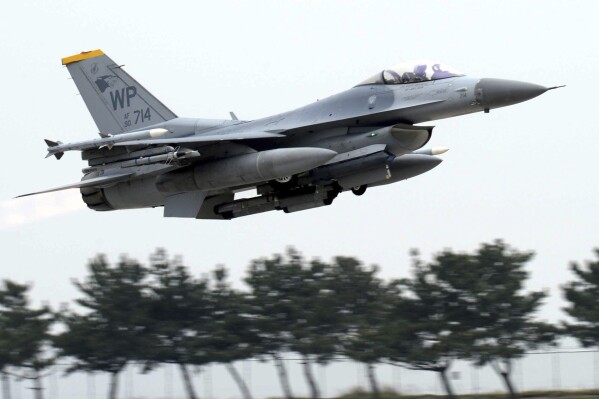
(116, 101)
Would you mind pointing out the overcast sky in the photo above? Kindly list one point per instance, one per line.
(525, 173)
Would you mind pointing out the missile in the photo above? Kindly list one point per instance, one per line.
(432, 151)
(144, 134)
(169, 157)
(58, 149)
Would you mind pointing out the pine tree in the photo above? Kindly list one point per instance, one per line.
(24, 336)
(434, 326)
(294, 305)
(6, 341)
(471, 306)
(504, 326)
(583, 297)
(234, 335)
(180, 312)
(361, 304)
(317, 328)
(113, 332)
(273, 289)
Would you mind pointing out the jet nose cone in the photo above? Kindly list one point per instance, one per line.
(495, 93)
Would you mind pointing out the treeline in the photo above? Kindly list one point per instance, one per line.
(469, 306)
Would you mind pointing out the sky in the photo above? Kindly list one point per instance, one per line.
(526, 173)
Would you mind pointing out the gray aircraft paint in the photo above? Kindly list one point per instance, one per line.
(362, 137)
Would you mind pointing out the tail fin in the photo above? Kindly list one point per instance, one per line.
(116, 101)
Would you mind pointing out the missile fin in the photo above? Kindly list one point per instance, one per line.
(51, 144)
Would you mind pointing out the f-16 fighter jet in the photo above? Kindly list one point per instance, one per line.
(364, 137)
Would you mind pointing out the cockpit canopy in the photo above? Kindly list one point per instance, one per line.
(412, 72)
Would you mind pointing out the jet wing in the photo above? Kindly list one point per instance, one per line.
(205, 139)
(100, 181)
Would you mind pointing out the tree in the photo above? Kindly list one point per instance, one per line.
(234, 333)
(437, 324)
(398, 332)
(361, 301)
(293, 302)
(583, 297)
(24, 336)
(504, 327)
(273, 284)
(6, 339)
(114, 331)
(180, 311)
(315, 333)
(472, 306)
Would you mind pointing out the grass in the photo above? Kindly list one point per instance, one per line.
(359, 393)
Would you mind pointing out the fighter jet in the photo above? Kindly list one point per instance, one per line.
(367, 136)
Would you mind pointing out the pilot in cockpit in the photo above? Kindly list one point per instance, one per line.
(440, 74)
(412, 73)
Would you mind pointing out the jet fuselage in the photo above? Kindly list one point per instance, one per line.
(366, 136)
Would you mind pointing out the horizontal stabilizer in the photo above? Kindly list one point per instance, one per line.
(205, 139)
(93, 182)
